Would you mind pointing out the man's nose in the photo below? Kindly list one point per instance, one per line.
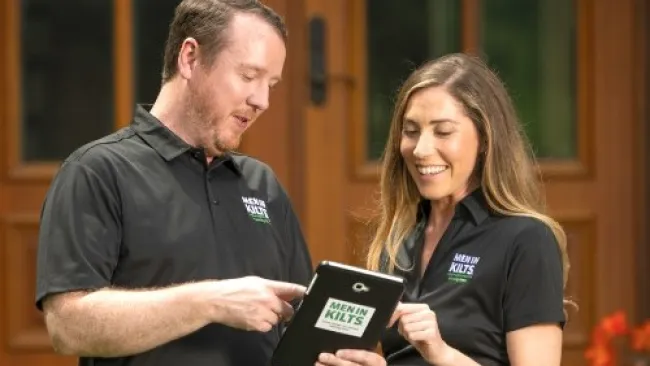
(260, 98)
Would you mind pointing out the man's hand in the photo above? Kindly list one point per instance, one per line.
(251, 303)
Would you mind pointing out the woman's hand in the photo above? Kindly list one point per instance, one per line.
(351, 357)
(417, 323)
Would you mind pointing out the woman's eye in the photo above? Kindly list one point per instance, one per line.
(444, 133)
(409, 132)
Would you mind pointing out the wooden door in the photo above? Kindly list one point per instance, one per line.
(55, 93)
(70, 72)
(65, 79)
(570, 70)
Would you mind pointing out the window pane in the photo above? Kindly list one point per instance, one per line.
(152, 18)
(67, 75)
(424, 29)
(532, 45)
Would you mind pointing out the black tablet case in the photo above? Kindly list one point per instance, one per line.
(348, 290)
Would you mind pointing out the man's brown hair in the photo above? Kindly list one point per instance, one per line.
(207, 22)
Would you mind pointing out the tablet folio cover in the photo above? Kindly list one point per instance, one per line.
(344, 307)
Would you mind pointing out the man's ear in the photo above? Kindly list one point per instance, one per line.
(188, 57)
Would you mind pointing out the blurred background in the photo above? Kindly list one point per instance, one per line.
(71, 71)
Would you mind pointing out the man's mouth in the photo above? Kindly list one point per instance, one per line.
(243, 120)
(431, 169)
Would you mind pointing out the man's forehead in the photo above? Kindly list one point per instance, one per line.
(244, 25)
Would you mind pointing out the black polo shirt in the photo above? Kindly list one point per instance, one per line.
(490, 274)
(140, 208)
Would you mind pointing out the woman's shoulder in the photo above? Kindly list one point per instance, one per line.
(519, 226)
(516, 233)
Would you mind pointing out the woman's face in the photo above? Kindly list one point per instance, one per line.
(439, 144)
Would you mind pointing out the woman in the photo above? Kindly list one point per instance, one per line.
(462, 221)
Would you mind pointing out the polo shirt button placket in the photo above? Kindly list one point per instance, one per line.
(214, 199)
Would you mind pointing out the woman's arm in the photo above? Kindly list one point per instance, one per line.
(535, 345)
(453, 357)
(533, 300)
(419, 326)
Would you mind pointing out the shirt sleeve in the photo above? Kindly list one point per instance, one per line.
(300, 266)
(534, 286)
(80, 231)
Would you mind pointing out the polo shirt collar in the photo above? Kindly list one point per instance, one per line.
(473, 206)
(157, 135)
(166, 143)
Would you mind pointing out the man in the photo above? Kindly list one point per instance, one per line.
(158, 245)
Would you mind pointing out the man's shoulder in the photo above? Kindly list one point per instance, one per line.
(250, 164)
(259, 176)
(252, 168)
(104, 153)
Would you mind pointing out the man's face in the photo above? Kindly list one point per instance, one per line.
(225, 98)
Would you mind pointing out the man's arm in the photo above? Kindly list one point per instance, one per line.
(79, 250)
(111, 323)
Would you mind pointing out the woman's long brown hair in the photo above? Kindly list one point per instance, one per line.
(508, 172)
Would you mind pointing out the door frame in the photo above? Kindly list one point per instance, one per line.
(642, 69)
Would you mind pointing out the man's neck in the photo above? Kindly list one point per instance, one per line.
(169, 109)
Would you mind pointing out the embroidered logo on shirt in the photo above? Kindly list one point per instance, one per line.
(462, 268)
(256, 209)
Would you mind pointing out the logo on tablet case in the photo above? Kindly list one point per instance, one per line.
(256, 209)
(360, 287)
(345, 317)
(462, 268)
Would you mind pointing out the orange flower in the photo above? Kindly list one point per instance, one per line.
(602, 352)
(600, 336)
(600, 355)
(641, 337)
(615, 324)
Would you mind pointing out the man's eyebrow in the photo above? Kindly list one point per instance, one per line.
(258, 69)
(251, 67)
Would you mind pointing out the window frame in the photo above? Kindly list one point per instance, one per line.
(16, 169)
(579, 167)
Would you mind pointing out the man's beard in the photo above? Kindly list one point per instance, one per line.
(202, 121)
